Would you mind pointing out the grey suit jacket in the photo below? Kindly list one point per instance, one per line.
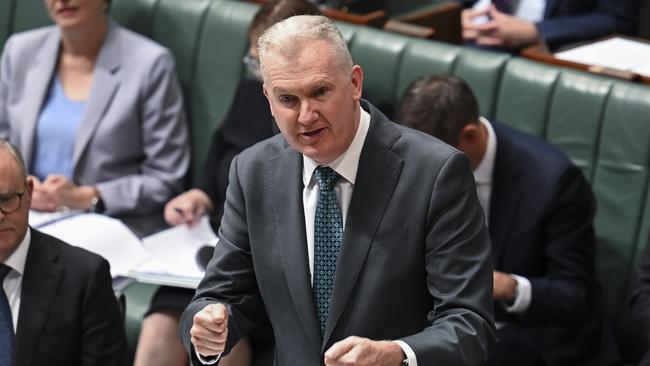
(414, 260)
(132, 143)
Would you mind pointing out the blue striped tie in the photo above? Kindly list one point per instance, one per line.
(328, 233)
(6, 323)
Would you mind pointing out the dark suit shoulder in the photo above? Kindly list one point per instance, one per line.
(537, 154)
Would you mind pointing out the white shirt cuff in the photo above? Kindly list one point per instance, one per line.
(408, 351)
(523, 295)
(209, 361)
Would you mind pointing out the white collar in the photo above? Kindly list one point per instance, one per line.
(483, 172)
(347, 164)
(17, 259)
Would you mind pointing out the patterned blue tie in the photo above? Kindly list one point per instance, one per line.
(6, 323)
(328, 232)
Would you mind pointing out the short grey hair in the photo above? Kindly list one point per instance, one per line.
(290, 36)
(15, 154)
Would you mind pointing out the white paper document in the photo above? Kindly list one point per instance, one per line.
(173, 252)
(40, 218)
(614, 53)
(102, 235)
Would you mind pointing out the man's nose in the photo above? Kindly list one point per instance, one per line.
(308, 113)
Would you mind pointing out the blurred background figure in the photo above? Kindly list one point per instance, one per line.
(97, 112)
(514, 24)
(247, 122)
(539, 209)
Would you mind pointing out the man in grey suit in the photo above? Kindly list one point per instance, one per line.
(359, 241)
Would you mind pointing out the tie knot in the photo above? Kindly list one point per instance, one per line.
(326, 177)
(4, 270)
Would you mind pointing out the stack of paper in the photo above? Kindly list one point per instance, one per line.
(40, 218)
(614, 53)
(173, 255)
(103, 235)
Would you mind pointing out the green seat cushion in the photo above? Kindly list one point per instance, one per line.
(29, 14)
(379, 54)
(525, 95)
(422, 57)
(136, 15)
(222, 45)
(482, 71)
(575, 117)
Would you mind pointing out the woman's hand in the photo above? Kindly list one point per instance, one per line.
(57, 192)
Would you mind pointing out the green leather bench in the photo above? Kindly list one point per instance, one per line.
(602, 124)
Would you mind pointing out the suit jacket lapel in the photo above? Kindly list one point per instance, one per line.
(38, 78)
(40, 284)
(285, 183)
(377, 176)
(506, 193)
(105, 84)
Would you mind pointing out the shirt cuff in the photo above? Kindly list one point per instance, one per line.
(211, 360)
(408, 351)
(523, 295)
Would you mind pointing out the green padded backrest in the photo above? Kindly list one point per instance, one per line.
(621, 184)
(525, 95)
(348, 30)
(482, 71)
(575, 117)
(379, 54)
(219, 68)
(136, 15)
(138, 300)
(422, 57)
(177, 26)
(29, 14)
(6, 12)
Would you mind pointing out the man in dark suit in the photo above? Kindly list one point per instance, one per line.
(515, 24)
(360, 242)
(539, 211)
(58, 306)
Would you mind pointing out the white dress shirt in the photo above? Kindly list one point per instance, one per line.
(346, 166)
(483, 177)
(530, 10)
(13, 283)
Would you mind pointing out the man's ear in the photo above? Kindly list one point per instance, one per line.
(268, 98)
(468, 137)
(29, 185)
(357, 82)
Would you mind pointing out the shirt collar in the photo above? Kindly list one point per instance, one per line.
(347, 164)
(483, 172)
(17, 259)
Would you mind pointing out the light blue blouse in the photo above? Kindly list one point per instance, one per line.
(56, 133)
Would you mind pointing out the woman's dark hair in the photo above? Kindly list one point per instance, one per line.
(275, 11)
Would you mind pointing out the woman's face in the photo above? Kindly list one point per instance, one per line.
(73, 13)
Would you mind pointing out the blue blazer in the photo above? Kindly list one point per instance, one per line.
(132, 144)
(567, 21)
(541, 226)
